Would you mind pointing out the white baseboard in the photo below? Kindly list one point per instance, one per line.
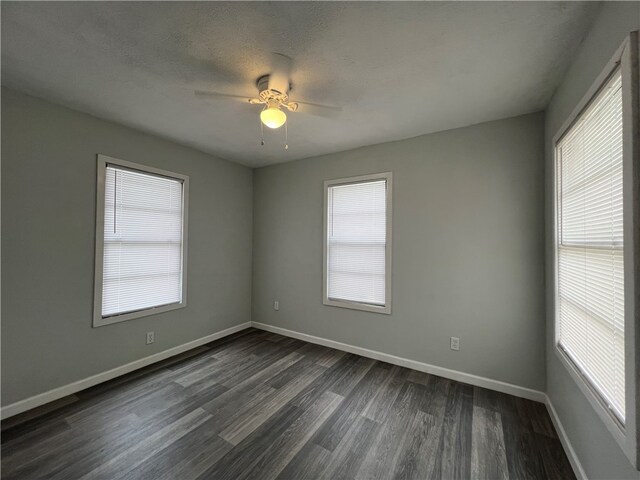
(564, 439)
(71, 388)
(484, 382)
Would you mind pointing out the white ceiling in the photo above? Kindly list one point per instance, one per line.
(398, 69)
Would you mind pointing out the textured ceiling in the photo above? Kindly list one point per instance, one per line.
(398, 69)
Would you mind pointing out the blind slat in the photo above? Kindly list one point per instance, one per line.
(590, 301)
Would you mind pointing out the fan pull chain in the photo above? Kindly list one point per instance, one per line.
(261, 134)
(286, 136)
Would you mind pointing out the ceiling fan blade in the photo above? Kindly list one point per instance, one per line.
(327, 111)
(204, 93)
(279, 77)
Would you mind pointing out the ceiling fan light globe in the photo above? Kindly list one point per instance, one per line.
(273, 117)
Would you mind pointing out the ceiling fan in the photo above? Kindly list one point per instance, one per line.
(273, 94)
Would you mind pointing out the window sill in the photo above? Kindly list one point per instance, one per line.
(358, 306)
(98, 321)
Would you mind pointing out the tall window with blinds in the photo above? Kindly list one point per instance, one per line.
(590, 250)
(357, 243)
(142, 247)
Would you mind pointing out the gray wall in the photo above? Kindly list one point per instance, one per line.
(600, 455)
(48, 230)
(468, 249)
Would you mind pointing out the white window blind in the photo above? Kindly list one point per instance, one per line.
(142, 261)
(590, 303)
(356, 242)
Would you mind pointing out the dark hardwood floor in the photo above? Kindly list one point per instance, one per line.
(261, 406)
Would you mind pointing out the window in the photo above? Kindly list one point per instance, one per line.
(357, 243)
(140, 241)
(590, 246)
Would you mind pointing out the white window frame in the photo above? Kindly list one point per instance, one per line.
(626, 58)
(103, 162)
(386, 308)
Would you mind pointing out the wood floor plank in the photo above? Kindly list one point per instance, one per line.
(187, 398)
(50, 454)
(234, 338)
(266, 369)
(275, 338)
(221, 349)
(284, 354)
(21, 419)
(509, 409)
(121, 464)
(435, 397)
(540, 419)
(241, 349)
(17, 438)
(119, 399)
(241, 393)
(156, 402)
(215, 370)
(352, 376)
(454, 455)
(485, 398)
(417, 458)
(251, 369)
(245, 455)
(418, 377)
(306, 464)
(182, 357)
(236, 408)
(329, 357)
(312, 351)
(381, 459)
(346, 459)
(111, 412)
(523, 459)
(142, 376)
(554, 460)
(488, 453)
(320, 354)
(293, 439)
(325, 381)
(239, 430)
(91, 454)
(330, 435)
(380, 405)
(421, 454)
(186, 458)
(288, 374)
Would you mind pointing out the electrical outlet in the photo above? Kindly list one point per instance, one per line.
(276, 305)
(151, 337)
(455, 343)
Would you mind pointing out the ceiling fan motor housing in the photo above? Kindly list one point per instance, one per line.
(263, 87)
